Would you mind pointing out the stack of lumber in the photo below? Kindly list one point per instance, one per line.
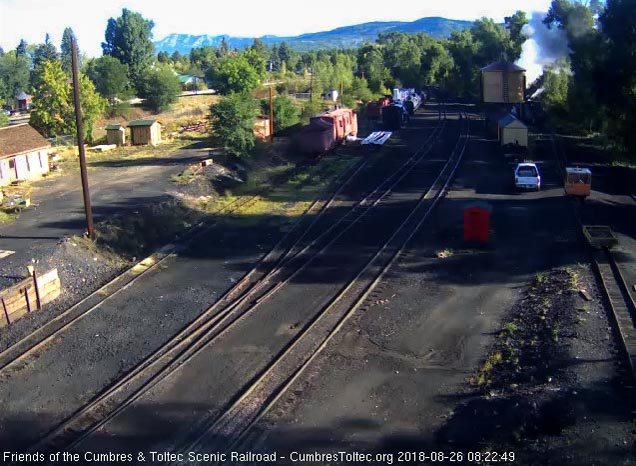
(195, 127)
(377, 138)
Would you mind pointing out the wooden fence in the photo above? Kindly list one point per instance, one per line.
(27, 296)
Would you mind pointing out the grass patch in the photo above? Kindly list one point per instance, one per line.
(69, 156)
(483, 377)
(183, 177)
(6, 217)
(508, 329)
(281, 191)
(152, 226)
(573, 278)
(445, 253)
(106, 255)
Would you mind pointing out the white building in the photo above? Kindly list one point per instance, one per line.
(24, 154)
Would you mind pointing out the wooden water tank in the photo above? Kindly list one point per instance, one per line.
(503, 82)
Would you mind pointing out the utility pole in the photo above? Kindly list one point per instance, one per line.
(80, 140)
(341, 92)
(271, 113)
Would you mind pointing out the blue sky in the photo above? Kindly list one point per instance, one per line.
(32, 19)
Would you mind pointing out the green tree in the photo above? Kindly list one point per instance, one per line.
(463, 49)
(514, 25)
(129, 39)
(260, 48)
(223, 49)
(203, 57)
(360, 90)
(21, 49)
(587, 52)
(233, 73)
(491, 40)
(437, 63)
(555, 89)
(286, 113)
(232, 120)
(176, 56)
(256, 61)
(163, 57)
(402, 56)
(110, 77)
(371, 64)
(44, 52)
(160, 87)
(53, 111)
(66, 52)
(14, 72)
(617, 80)
(4, 120)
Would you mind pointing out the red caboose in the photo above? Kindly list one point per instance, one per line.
(327, 130)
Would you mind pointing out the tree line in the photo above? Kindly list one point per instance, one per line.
(593, 88)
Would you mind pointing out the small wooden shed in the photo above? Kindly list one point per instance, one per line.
(512, 131)
(23, 101)
(116, 134)
(143, 132)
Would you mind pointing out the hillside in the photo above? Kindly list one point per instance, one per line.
(343, 37)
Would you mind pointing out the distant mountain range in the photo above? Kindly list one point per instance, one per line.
(343, 37)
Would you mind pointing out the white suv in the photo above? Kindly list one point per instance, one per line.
(527, 176)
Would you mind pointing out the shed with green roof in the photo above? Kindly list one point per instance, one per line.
(116, 134)
(143, 132)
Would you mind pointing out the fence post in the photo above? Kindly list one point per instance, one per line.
(6, 313)
(26, 295)
(37, 291)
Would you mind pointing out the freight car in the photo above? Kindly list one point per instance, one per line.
(412, 103)
(374, 109)
(409, 98)
(327, 130)
(394, 116)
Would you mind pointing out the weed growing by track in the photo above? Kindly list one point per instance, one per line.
(282, 192)
(529, 343)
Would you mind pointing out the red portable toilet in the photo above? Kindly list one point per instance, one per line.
(477, 222)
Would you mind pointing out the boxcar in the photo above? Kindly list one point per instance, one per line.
(394, 116)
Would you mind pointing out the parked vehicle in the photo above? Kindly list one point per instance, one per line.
(15, 203)
(578, 181)
(527, 176)
(327, 130)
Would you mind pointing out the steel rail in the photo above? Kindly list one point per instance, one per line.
(290, 363)
(197, 334)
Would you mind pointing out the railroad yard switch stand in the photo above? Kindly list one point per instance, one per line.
(600, 236)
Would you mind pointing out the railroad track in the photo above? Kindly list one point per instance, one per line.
(613, 284)
(37, 340)
(621, 301)
(227, 431)
(256, 287)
